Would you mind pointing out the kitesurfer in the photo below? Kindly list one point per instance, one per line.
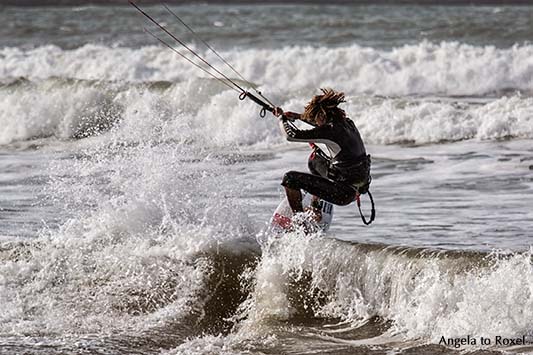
(338, 178)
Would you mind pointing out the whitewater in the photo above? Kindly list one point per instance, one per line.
(135, 190)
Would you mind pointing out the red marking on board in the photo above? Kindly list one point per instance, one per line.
(282, 221)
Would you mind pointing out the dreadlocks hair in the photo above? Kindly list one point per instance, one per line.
(326, 106)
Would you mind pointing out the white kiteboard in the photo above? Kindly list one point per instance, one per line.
(282, 218)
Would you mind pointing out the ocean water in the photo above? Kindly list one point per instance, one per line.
(135, 190)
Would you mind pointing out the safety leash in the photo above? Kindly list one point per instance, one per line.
(373, 211)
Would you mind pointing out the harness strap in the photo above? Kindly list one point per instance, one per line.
(373, 211)
(317, 150)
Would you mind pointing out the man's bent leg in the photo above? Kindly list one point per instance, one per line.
(329, 190)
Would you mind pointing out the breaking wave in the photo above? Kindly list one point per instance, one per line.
(424, 293)
(68, 109)
(448, 68)
(164, 288)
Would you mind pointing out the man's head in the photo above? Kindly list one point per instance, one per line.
(324, 108)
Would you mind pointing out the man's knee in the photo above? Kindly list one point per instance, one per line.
(345, 199)
(290, 180)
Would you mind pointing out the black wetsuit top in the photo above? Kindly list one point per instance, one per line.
(346, 148)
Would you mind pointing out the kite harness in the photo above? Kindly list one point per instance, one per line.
(320, 166)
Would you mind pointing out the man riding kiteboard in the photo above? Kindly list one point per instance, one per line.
(339, 178)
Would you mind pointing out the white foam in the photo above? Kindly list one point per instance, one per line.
(448, 68)
(400, 120)
(47, 109)
(201, 109)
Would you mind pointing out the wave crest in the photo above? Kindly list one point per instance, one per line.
(448, 68)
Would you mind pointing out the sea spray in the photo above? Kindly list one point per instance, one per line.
(129, 257)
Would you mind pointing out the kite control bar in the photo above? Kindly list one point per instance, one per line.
(265, 107)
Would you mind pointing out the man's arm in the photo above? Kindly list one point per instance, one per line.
(293, 134)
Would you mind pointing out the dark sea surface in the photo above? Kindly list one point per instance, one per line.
(136, 190)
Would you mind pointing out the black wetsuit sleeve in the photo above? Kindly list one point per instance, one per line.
(316, 134)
